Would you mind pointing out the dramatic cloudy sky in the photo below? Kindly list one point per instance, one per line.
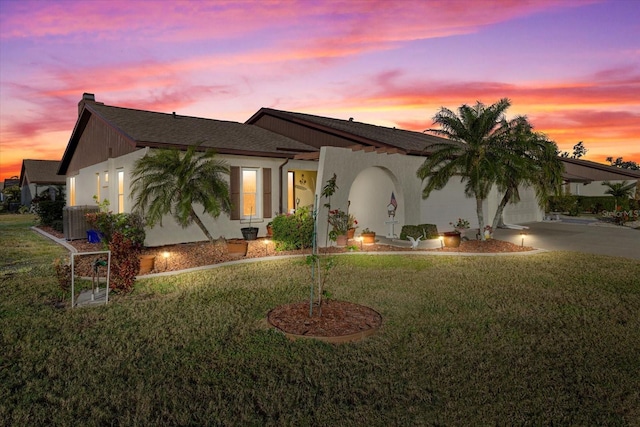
(573, 67)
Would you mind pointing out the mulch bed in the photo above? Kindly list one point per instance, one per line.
(189, 255)
(339, 318)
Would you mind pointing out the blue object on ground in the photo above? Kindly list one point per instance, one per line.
(93, 236)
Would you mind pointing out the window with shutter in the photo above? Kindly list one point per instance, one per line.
(250, 193)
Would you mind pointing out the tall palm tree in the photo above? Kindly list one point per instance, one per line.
(619, 190)
(168, 181)
(476, 153)
(534, 163)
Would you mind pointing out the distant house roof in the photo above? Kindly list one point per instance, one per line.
(10, 182)
(410, 142)
(41, 172)
(578, 170)
(163, 130)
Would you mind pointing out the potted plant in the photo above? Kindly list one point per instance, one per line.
(250, 233)
(270, 229)
(339, 220)
(368, 236)
(453, 238)
(352, 224)
(237, 248)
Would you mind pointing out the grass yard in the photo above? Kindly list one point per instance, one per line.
(545, 339)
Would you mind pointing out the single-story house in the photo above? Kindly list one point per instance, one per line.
(279, 161)
(38, 176)
(585, 178)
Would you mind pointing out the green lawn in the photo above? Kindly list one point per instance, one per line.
(545, 339)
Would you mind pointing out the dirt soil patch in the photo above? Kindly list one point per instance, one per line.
(338, 318)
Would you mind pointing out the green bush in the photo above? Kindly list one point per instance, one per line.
(50, 212)
(428, 231)
(293, 231)
(130, 225)
(574, 205)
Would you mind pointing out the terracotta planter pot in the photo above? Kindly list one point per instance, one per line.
(146, 263)
(341, 240)
(368, 238)
(269, 231)
(452, 239)
(351, 233)
(237, 248)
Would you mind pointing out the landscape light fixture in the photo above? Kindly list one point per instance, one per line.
(360, 239)
(522, 236)
(165, 255)
(441, 238)
(266, 246)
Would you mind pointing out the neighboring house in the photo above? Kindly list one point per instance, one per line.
(585, 178)
(8, 183)
(279, 161)
(38, 177)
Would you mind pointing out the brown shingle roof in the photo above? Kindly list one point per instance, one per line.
(41, 172)
(408, 141)
(224, 136)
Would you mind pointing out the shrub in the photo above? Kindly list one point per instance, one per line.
(130, 225)
(63, 274)
(125, 262)
(574, 205)
(429, 231)
(293, 231)
(49, 212)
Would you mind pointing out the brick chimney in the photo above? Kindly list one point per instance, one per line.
(86, 97)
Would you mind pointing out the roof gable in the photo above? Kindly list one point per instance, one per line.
(41, 172)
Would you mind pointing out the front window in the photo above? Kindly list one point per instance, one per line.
(290, 192)
(98, 187)
(250, 197)
(120, 191)
(72, 191)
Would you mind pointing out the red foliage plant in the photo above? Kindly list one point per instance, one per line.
(125, 262)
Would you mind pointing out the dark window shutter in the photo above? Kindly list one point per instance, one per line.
(266, 193)
(234, 186)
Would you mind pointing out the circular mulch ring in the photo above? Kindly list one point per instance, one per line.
(340, 322)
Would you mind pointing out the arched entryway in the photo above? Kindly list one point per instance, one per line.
(370, 194)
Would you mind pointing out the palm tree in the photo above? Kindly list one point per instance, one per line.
(619, 190)
(476, 153)
(534, 163)
(168, 181)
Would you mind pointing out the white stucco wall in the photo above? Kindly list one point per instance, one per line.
(527, 210)
(170, 232)
(364, 178)
(388, 172)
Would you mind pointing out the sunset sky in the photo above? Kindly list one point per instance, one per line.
(573, 67)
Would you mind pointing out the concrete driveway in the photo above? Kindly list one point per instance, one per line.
(580, 235)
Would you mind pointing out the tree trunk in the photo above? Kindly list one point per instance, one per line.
(197, 220)
(497, 220)
(480, 214)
